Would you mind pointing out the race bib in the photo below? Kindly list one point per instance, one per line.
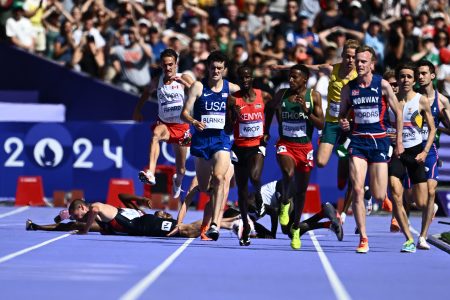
(251, 129)
(334, 109)
(294, 129)
(129, 213)
(424, 132)
(166, 225)
(214, 121)
(367, 115)
(171, 110)
(408, 134)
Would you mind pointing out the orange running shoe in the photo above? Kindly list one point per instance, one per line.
(386, 205)
(394, 225)
(203, 236)
(363, 246)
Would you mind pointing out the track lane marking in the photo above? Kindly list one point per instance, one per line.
(338, 288)
(13, 212)
(139, 288)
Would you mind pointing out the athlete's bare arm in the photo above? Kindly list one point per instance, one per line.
(231, 116)
(234, 88)
(148, 90)
(129, 201)
(185, 80)
(194, 93)
(270, 108)
(396, 108)
(266, 97)
(345, 107)
(445, 107)
(100, 212)
(425, 109)
(316, 116)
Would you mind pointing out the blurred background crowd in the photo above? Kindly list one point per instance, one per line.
(119, 41)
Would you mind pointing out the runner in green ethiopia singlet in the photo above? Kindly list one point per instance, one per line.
(295, 125)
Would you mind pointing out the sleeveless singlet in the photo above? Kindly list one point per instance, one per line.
(170, 101)
(249, 127)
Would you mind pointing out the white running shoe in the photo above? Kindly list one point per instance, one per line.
(176, 190)
(147, 177)
(422, 244)
(435, 209)
(368, 200)
(343, 216)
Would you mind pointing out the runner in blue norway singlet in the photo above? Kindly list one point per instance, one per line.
(369, 139)
(211, 109)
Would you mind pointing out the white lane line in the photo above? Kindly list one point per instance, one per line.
(137, 290)
(13, 212)
(338, 288)
(26, 250)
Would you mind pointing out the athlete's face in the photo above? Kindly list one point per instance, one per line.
(348, 58)
(169, 66)
(216, 70)
(406, 80)
(393, 83)
(424, 76)
(297, 80)
(245, 79)
(364, 63)
(79, 212)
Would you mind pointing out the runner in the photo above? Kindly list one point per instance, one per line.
(246, 112)
(298, 111)
(211, 145)
(369, 96)
(170, 88)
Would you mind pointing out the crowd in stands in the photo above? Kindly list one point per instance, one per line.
(119, 41)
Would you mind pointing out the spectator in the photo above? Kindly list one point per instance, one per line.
(443, 75)
(131, 61)
(65, 44)
(223, 37)
(34, 10)
(375, 39)
(328, 17)
(19, 29)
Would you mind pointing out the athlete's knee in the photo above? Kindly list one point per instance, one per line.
(321, 162)
(218, 179)
(157, 137)
(358, 191)
(288, 175)
(181, 171)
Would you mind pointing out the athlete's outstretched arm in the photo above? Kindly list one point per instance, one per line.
(425, 109)
(269, 110)
(396, 108)
(128, 201)
(94, 210)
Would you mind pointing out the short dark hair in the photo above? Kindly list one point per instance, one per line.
(169, 53)
(217, 56)
(243, 67)
(389, 74)
(426, 63)
(302, 69)
(403, 66)
(75, 203)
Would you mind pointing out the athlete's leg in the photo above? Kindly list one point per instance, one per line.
(324, 154)
(256, 165)
(220, 163)
(301, 183)
(180, 164)
(358, 170)
(60, 226)
(160, 133)
(424, 195)
(287, 166)
(399, 211)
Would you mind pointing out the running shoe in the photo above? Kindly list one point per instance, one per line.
(284, 214)
(296, 243)
(203, 235)
(330, 212)
(244, 236)
(409, 247)
(363, 246)
(394, 225)
(147, 177)
(422, 244)
(386, 205)
(29, 225)
(176, 190)
(367, 200)
(261, 210)
(213, 232)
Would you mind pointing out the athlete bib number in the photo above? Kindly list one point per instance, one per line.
(171, 110)
(334, 109)
(214, 121)
(294, 129)
(367, 115)
(166, 225)
(130, 214)
(250, 129)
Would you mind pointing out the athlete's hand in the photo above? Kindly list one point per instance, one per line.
(399, 149)
(344, 124)
(174, 231)
(200, 126)
(178, 79)
(302, 102)
(421, 157)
